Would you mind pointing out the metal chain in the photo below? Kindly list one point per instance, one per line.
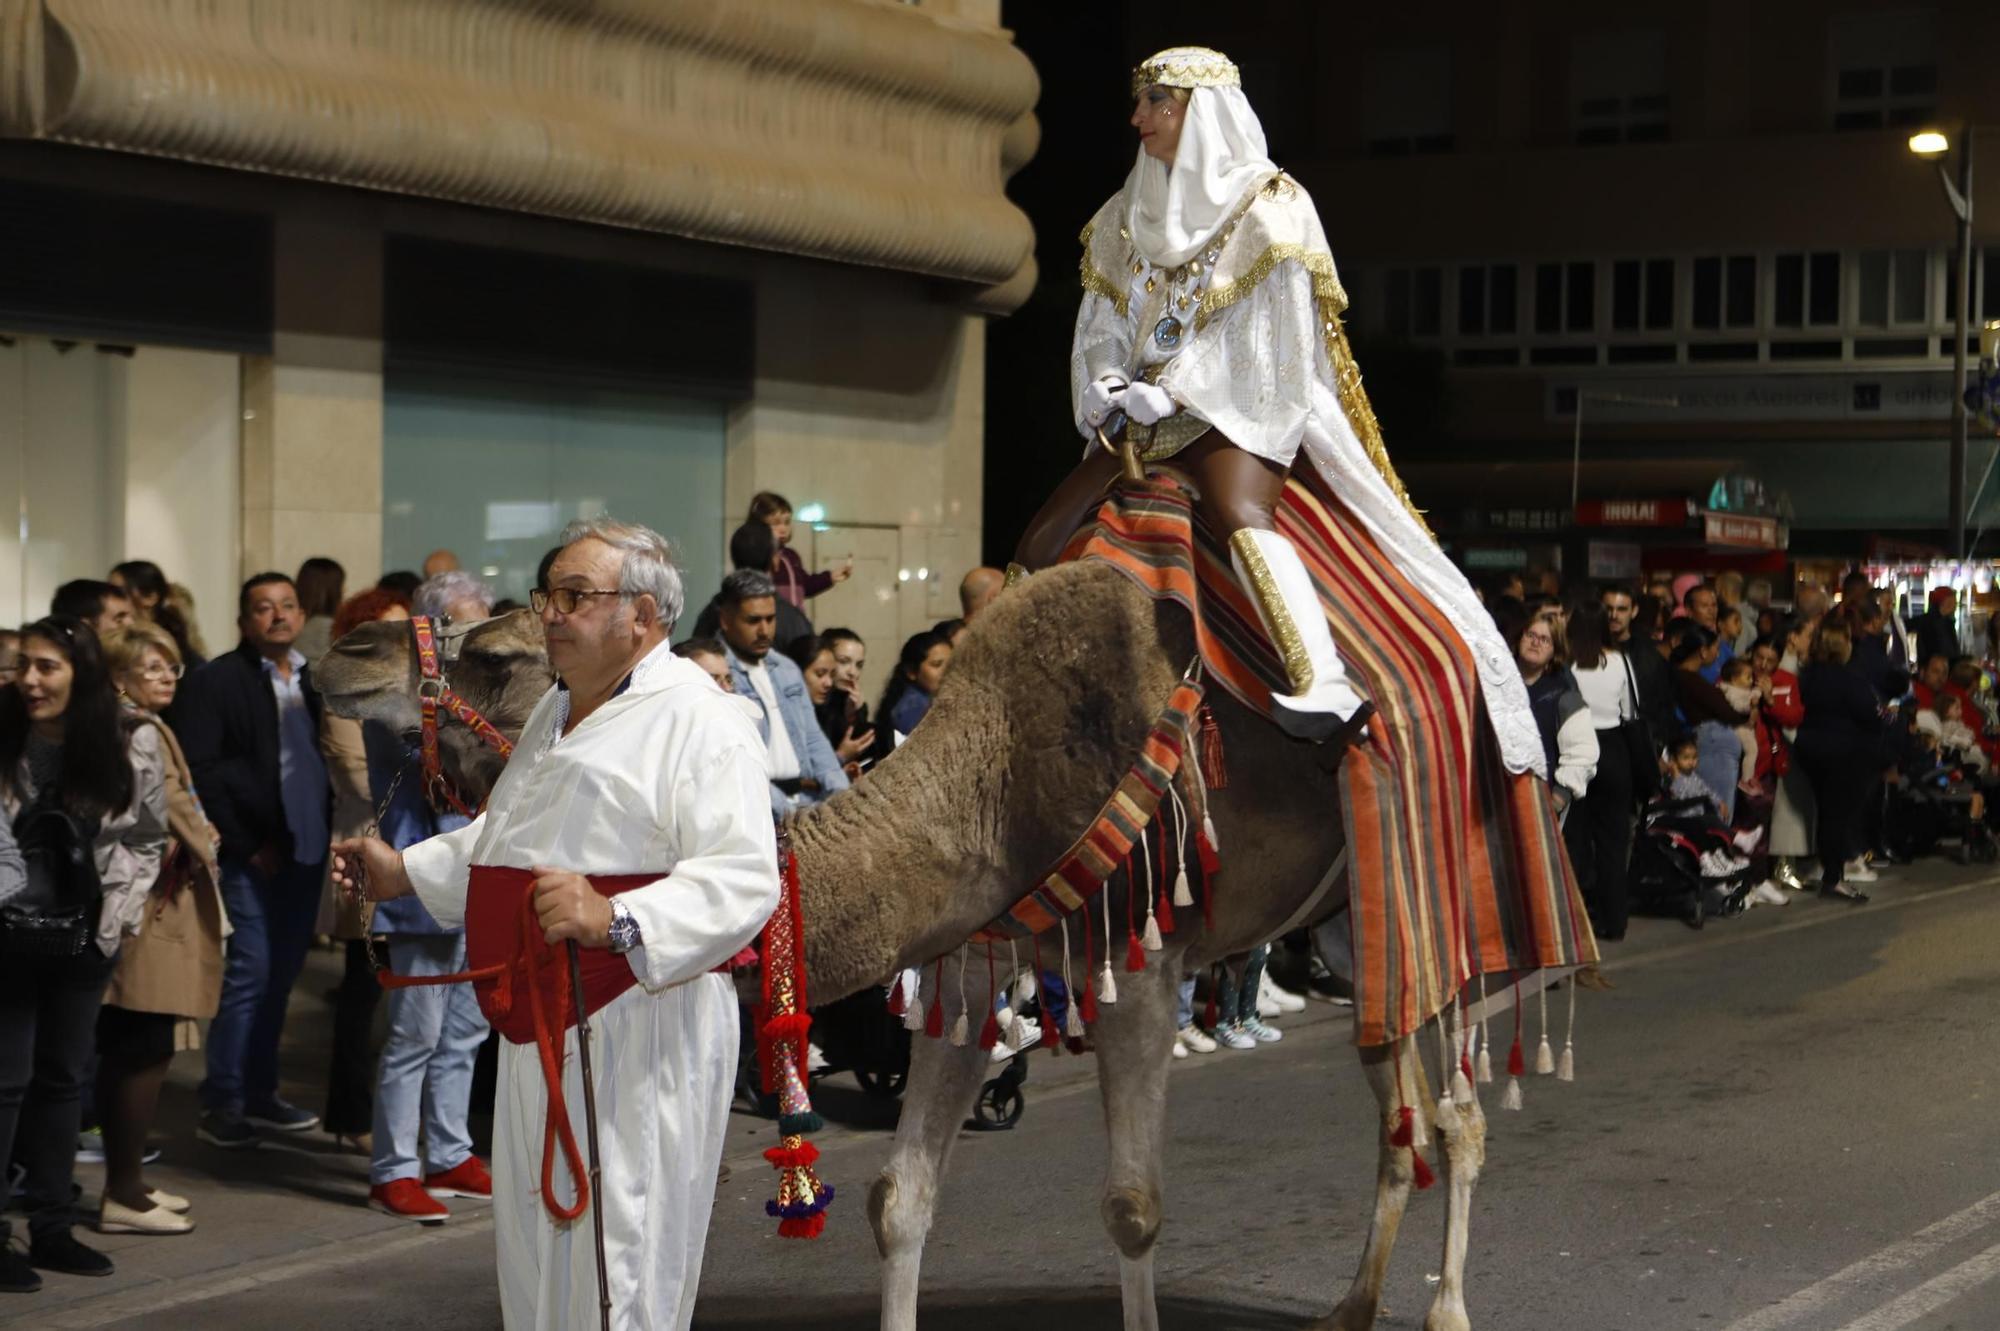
(360, 870)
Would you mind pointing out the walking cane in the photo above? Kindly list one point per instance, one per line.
(590, 1135)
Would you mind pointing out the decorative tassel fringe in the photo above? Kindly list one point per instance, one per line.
(961, 1032)
(1207, 848)
(1153, 942)
(1447, 1116)
(1461, 1089)
(1183, 892)
(1511, 1097)
(1051, 1037)
(1107, 983)
(989, 1033)
(1566, 1069)
(1072, 1024)
(1516, 1065)
(934, 1019)
(1135, 957)
(1420, 1171)
(1420, 1136)
(1485, 1076)
(913, 1016)
(1545, 1058)
(1087, 1002)
(897, 1007)
(783, 1021)
(1213, 771)
(1405, 1132)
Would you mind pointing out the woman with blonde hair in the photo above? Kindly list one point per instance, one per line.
(170, 975)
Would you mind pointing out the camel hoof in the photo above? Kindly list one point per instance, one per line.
(1348, 1317)
(1132, 1220)
(1447, 1319)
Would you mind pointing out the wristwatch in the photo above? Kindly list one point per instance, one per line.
(624, 929)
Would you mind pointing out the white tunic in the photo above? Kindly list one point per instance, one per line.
(667, 776)
(1253, 359)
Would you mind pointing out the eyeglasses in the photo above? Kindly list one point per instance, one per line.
(163, 671)
(564, 599)
(1541, 638)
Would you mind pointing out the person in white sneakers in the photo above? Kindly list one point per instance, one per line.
(1188, 1037)
(1237, 1024)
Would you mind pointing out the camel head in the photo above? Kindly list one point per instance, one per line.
(501, 670)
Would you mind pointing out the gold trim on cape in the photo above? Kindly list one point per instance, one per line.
(1277, 615)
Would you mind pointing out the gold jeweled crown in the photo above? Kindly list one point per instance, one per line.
(1186, 67)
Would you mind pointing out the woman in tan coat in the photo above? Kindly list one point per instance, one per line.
(171, 973)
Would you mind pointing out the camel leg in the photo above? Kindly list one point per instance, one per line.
(1462, 1153)
(942, 1085)
(1356, 1312)
(1134, 1039)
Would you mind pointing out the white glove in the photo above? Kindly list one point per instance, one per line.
(1147, 404)
(1100, 399)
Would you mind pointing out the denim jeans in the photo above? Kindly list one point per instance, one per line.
(425, 1079)
(273, 919)
(48, 1032)
(1238, 999)
(1184, 1004)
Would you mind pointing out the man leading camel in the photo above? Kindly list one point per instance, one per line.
(633, 765)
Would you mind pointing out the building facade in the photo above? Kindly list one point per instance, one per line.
(365, 278)
(1697, 224)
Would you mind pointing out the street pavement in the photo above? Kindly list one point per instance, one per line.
(1781, 1123)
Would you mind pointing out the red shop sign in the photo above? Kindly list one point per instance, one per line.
(1634, 512)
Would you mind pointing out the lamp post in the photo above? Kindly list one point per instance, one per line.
(1934, 144)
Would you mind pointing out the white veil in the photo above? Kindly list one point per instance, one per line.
(1173, 212)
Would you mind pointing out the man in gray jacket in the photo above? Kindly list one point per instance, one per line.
(804, 768)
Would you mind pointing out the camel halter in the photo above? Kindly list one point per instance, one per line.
(438, 644)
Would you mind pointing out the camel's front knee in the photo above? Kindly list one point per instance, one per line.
(1464, 1136)
(1132, 1218)
(893, 1213)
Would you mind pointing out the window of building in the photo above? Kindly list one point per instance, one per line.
(1565, 297)
(1642, 295)
(1618, 87)
(1892, 287)
(1487, 299)
(1413, 302)
(1806, 289)
(1884, 70)
(1409, 101)
(1724, 291)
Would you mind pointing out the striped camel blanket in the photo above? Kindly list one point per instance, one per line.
(1455, 866)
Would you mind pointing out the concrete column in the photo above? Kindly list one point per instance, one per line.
(312, 410)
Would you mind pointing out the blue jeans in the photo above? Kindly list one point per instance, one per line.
(425, 1080)
(273, 919)
(1720, 762)
(1184, 1005)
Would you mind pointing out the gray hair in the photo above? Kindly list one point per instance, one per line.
(649, 568)
(746, 584)
(436, 595)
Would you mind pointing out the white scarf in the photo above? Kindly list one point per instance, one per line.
(1173, 213)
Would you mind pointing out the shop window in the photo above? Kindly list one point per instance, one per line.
(1725, 291)
(1642, 295)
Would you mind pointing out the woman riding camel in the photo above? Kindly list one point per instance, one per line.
(1210, 328)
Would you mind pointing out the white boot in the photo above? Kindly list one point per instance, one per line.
(1282, 590)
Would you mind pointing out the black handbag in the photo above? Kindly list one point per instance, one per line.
(56, 913)
(1642, 750)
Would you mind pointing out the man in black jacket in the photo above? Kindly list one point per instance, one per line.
(1650, 671)
(249, 722)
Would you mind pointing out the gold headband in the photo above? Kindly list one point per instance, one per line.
(1186, 67)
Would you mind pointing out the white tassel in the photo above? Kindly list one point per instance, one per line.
(1447, 1117)
(1419, 1138)
(1107, 985)
(1072, 1019)
(1183, 893)
(1461, 1089)
(1208, 830)
(1151, 940)
(1511, 1097)
(1485, 1072)
(960, 1032)
(913, 1016)
(1484, 1068)
(1545, 1058)
(1566, 1070)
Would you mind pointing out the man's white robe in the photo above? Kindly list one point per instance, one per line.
(668, 776)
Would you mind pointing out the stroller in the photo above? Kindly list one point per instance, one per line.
(859, 1034)
(1675, 842)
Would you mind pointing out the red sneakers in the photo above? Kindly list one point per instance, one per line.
(467, 1179)
(406, 1199)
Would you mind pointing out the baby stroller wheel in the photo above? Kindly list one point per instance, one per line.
(883, 1083)
(999, 1106)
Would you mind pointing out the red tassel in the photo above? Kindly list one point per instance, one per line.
(1050, 1037)
(802, 1227)
(1208, 1013)
(1420, 1171)
(934, 1018)
(1135, 954)
(1212, 770)
(989, 1034)
(1406, 1131)
(896, 1004)
(1516, 1065)
(1465, 1065)
(786, 1158)
(1163, 912)
(1210, 861)
(1086, 1002)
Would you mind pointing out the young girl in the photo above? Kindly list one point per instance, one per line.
(1739, 684)
(794, 583)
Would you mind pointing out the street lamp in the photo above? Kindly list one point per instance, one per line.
(1934, 144)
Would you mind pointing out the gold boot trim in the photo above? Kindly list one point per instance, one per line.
(1015, 573)
(1277, 616)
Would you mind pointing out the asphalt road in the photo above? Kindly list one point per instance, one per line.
(1784, 1123)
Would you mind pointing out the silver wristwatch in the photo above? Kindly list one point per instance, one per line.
(624, 929)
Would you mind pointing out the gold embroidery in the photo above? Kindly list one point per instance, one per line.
(1093, 280)
(1186, 67)
(1361, 415)
(1317, 263)
(1277, 618)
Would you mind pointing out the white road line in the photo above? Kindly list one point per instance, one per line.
(1890, 1261)
(1933, 1294)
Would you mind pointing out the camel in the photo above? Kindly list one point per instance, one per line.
(1047, 701)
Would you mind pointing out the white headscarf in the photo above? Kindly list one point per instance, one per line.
(1173, 212)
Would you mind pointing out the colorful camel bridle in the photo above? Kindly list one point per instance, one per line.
(438, 644)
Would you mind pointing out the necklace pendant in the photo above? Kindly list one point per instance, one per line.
(1167, 333)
